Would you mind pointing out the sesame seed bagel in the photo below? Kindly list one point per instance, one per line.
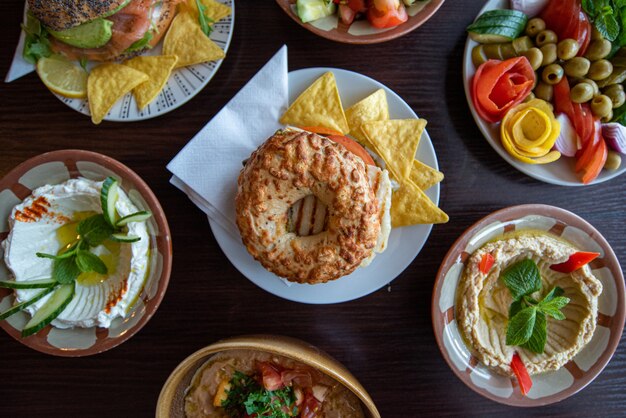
(65, 14)
(286, 168)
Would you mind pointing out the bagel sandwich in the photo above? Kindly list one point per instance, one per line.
(308, 215)
(100, 30)
(311, 209)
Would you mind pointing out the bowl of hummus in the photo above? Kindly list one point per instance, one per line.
(78, 283)
(528, 306)
(267, 375)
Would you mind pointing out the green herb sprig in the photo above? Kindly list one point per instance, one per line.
(78, 258)
(36, 44)
(527, 325)
(609, 18)
(205, 21)
(247, 396)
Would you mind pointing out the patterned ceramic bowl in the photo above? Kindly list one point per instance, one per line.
(172, 398)
(57, 167)
(361, 32)
(548, 387)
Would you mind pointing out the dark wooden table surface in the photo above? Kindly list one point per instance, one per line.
(386, 338)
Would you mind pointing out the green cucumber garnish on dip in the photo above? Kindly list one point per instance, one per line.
(76, 258)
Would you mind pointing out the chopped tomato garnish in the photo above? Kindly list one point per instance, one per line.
(486, 262)
(310, 406)
(521, 373)
(575, 261)
(386, 13)
(567, 19)
(270, 376)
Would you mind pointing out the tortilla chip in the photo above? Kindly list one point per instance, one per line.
(319, 105)
(186, 40)
(424, 176)
(396, 142)
(410, 206)
(214, 10)
(106, 84)
(158, 68)
(373, 108)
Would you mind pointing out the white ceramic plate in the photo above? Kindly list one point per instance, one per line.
(560, 172)
(404, 243)
(183, 85)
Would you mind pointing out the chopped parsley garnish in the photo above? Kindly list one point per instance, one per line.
(247, 396)
(205, 21)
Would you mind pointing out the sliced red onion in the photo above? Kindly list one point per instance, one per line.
(320, 392)
(567, 142)
(530, 7)
(615, 136)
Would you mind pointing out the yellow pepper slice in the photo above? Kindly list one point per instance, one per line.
(529, 131)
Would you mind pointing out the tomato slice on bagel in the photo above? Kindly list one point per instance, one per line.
(354, 147)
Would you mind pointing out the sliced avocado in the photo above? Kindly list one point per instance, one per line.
(92, 34)
(117, 9)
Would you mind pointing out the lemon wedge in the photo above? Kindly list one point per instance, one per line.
(63, 77)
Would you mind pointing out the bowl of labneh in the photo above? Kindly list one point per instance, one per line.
(85, 253)
(263, 375)
(528, 305)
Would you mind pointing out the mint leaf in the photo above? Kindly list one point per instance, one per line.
(553, 307)
(520, 327)
(537, 341)
(515, 307)
(94, 230)
(522, 278)
(607, 25)
(65, 270)
(556, 291)
(88, 261)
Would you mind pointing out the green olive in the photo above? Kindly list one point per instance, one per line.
(613, 160)
(615, 92)
(567, 49)
(596, 89)
(598, 49)
(478, 55)
(535, 57)
(492, 51)
(507, 51)
(601, 106)
(599, 70)
(595, 34)
(607, 118)
(581, 93)
(521, 44)
(546, 37)
(552, 74)
(549, 54)
(534, 26)
(544, 91)
(577, 67)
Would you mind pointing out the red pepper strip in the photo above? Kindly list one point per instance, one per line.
(486, 262)
(593, 169)
(499, 85)
(523, 378)
(574, 262)
(562, 101)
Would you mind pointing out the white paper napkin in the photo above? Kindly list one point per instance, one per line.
(208, 167)
(19, 66)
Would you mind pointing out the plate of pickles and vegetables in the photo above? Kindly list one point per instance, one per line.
(544, 82)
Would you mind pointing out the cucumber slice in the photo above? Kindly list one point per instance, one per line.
(25, 304)
(121, 237)
(108, 197)
(309, 10)
(59, 300)
(498, 26)
(134, 217)
(32, 284)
